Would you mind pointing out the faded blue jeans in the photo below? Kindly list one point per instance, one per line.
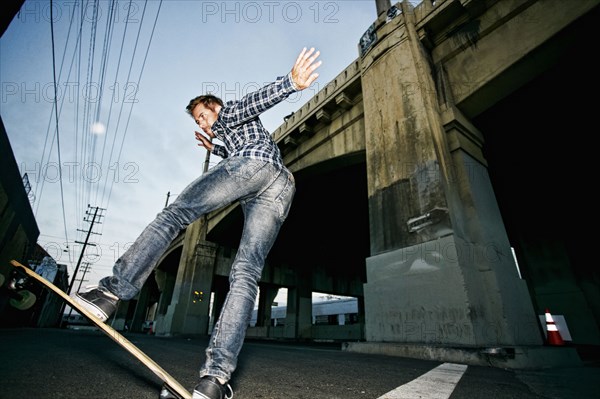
(265, 192)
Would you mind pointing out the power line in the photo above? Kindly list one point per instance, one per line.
(78, 48)
(110, 29)
(62, 196)
(111, 103)
(40, 187)
(137, 85)
(89, 143)
(123, 102)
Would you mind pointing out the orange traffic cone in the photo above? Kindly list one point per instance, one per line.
(553, 338)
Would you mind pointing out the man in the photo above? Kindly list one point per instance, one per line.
(252, 172)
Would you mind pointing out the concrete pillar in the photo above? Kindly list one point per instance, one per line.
(141, 308)
(441, 269)
(298, 319)
(304, 312)
(166, 286)
(220, 290)
(188, 312)
(120, 318)
(265, 302)
(361, 316)
(291, 315)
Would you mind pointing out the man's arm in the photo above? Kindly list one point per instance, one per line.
(253, 104)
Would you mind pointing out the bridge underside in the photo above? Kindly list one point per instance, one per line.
(537, 144)
(540, 157)
(327, 226)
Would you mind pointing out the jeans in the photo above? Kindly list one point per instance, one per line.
(265, 192)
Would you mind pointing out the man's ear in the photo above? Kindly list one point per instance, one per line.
(214, 107)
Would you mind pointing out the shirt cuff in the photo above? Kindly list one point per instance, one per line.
(219, 151)
(291, 82)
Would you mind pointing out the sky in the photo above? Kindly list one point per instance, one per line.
(122, 136)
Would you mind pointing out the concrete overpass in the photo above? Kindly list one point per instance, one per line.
(450, 142)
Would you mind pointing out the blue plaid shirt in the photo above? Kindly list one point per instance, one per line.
(240, 129)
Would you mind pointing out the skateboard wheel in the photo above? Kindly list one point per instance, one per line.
(167, 393)
(27, 300)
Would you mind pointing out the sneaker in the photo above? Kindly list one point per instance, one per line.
(97, 300)
(209, 387)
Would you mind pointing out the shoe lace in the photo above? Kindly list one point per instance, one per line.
(89, 288)
(230, 390)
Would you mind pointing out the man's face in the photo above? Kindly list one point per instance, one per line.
(204, 117)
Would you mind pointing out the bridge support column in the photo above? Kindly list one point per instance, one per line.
(298, 320)
(220, 289)
(188, 312)
(141, 308)
(441, 270)
(166, 286)
(120, 318)
(265, 302)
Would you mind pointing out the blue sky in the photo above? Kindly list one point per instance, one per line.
(145, 145)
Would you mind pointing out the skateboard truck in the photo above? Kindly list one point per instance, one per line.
(166, 392)
(18, 285)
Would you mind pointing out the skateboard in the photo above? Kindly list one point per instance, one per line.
(171, 388)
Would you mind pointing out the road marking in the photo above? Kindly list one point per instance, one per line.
(438, 383)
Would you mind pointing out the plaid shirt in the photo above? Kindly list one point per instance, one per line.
(240, 129)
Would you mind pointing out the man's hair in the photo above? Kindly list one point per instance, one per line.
(208, 100)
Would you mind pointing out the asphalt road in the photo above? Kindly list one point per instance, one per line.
(73, 364)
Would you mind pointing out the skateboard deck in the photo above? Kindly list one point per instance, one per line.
(171, 388)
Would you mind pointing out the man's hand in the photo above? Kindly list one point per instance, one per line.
(204, 141)
(302, 72)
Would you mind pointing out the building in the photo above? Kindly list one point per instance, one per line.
(332, 320)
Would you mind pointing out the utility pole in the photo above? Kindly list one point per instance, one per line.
(205, 217)
(97, 210)
(97, 215)
(207, 159)
(86, 268)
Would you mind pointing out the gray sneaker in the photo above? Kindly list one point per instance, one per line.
(98, 300)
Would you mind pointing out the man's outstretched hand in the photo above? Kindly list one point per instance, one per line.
(204, 140)
(302, 72)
